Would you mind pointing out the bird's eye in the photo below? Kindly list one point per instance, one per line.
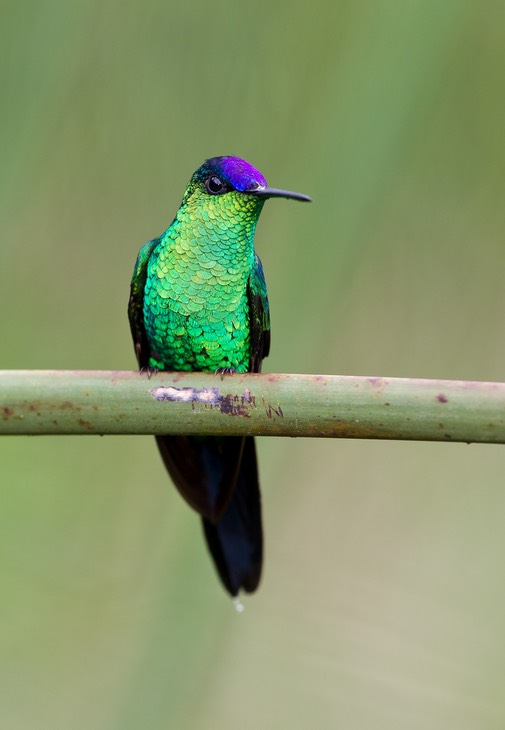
(215, 185)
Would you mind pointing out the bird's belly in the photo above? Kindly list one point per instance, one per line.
(184, 336)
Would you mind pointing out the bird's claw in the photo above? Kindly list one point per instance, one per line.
(149, 371)
(224, 371)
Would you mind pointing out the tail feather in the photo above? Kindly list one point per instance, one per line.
(204, 469)
(235, 541)
(218, 477)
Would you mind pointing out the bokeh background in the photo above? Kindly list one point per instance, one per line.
(383, 598)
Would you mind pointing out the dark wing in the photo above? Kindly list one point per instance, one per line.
(136, 304)
(260, 316)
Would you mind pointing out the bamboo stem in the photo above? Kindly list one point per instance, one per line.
(123, 402)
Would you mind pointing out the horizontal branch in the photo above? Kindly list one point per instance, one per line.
(120, 402)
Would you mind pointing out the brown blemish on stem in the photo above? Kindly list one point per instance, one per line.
(7, 412)
(86, 424)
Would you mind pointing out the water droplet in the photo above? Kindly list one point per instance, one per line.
(239, 606)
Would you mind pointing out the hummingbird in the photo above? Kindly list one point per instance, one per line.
(198, 302)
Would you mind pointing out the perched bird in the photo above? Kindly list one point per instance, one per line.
(198, 302)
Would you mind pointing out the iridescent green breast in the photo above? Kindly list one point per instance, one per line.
(196, 307)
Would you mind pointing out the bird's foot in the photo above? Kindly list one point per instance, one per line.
(149, 370)
(224, 371)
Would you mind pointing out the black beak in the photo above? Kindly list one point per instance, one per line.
(276, 193)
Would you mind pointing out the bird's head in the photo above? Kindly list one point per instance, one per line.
(232, 183)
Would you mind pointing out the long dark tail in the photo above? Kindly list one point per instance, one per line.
(218, 476)
(236, 539)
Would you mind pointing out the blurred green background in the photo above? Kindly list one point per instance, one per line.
(383, 600)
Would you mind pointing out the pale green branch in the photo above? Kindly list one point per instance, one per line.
(120, 402)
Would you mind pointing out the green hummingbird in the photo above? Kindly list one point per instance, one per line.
(198, 302)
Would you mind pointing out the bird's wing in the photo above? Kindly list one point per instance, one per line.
(136, 304)
(259, 316)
